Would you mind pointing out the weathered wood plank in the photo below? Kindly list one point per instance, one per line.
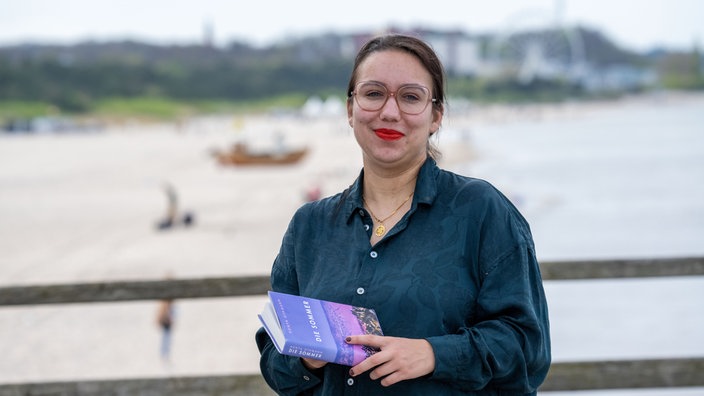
(597, 375)
(231, 385)
(258, 285)
(631, 268)
(625, 374)
(134, 290)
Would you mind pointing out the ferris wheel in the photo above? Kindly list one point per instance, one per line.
(534, 44)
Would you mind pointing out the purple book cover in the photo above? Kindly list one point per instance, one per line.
(317, 329)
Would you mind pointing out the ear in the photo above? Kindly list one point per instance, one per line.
(349, 112)
(437, 120)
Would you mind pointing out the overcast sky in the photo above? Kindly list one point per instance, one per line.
(638, 24)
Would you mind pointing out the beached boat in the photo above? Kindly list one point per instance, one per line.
(241, 155)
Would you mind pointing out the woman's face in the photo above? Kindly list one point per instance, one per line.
(388, 137)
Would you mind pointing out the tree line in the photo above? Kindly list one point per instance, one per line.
(74, 78)
(72, 82)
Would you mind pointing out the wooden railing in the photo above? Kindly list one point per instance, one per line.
(595, 375)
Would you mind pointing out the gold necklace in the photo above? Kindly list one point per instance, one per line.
(381, 229)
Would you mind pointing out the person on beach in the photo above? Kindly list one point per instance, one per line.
(171, 208)
(165, 321)
(172, 211)
(446, 261)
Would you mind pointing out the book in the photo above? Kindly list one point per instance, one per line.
(316, 329)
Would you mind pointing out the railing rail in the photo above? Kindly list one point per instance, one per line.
(594, 375)
(567, 376)
(631, 268)
(625, 374)
(258, 285)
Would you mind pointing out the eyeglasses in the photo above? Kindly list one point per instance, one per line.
(411, 99)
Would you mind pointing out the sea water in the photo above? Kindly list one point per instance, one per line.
(626, 181)
(612, 182)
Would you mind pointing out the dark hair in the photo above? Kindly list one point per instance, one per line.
(421, 51)
(412, 45)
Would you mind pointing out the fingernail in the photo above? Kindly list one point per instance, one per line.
(348, 339)
(351, 373)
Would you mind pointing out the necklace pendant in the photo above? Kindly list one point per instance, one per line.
(380, 230)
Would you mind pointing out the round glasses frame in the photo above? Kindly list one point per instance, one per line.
(377, 105)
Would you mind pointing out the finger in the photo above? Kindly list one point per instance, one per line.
(368, 364)
(367, 339)
(391, 379)
(383, 370)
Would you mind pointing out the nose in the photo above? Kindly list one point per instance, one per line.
(390, 109)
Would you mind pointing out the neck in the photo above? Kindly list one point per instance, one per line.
(387, 187)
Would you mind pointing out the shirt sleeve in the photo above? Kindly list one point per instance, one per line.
(286, 375)
(508, 346)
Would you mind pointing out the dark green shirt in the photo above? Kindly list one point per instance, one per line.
(459, 270)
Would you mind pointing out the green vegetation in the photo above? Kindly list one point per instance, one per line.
(683, 70)
(135, 80)
(149, 109)
(141, 107)
(511, 91)
(25, 109)
(118, 80)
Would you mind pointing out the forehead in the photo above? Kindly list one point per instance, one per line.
(393, 68)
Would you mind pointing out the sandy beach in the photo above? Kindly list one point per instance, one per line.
(79, 207)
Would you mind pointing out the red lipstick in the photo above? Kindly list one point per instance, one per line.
(388, 134)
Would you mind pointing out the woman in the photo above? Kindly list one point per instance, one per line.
(446, 261)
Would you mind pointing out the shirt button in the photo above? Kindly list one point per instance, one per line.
(307, 378)
(361, 212)
(350, 381)
(360, 290)
(373, 254)
(366, 227)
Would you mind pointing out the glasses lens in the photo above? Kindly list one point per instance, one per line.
(411, 99)
(371, 96)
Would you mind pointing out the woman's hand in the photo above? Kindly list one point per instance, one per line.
(312, 364)
(399, 359)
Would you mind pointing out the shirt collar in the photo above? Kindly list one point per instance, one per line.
(425, 193)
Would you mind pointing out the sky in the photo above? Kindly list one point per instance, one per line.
(635, 24)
